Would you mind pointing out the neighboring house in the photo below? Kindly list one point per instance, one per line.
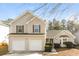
(27, 33)
(60, 36)
(4, 31)
(77, 37)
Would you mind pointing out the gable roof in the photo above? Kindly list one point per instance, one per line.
(23, 14)
(32, 17)
(54, 33)
(37, 18)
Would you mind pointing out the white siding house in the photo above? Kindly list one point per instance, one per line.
(4, 31)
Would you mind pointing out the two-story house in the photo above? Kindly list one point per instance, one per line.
(27, 33)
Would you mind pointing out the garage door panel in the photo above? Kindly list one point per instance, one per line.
(18, 45)
(35, 45)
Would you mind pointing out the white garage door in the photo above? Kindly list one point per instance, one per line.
(18, 45)
(35, 45)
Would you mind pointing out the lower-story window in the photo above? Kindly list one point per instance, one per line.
(49, 40)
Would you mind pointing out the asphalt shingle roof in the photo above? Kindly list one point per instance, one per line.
(52, 33)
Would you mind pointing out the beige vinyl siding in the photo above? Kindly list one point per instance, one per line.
(28, 27)
(38, 22)
(21, 21)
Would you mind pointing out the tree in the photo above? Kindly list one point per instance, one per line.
(72, 26)
(56, 24)
(63, 24)
(6, 22)
(50, 27)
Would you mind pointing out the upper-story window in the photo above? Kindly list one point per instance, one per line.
(36, 28)
(20, 29)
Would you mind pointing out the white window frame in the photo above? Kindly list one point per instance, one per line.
(34, 28)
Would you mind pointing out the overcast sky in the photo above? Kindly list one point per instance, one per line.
(49, 11)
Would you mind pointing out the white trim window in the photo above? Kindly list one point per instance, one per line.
(36, 28)
(19, 28)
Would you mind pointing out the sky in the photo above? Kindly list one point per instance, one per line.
(48, 12)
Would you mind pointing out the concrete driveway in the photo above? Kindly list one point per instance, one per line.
(24, 54)
(66, 52)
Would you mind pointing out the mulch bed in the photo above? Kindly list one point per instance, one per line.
(3, 50)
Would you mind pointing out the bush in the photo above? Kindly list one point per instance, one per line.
(48, 47)
(69, 44)
(56, 45)
(4, 44)
(3, 49)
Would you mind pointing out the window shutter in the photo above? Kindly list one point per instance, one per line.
(33, 28)
(39, 28)
(16, 29)
(23, 29)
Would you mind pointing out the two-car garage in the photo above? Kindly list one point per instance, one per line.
(26, 45)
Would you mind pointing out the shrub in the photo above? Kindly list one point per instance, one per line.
(69, 44)
(3, 50)
(56, 45)
(4, 43)
(48, 47)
